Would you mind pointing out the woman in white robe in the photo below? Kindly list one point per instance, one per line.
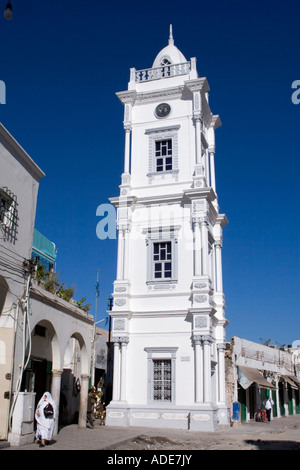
(45, 426)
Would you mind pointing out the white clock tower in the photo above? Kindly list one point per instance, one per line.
(168, 314)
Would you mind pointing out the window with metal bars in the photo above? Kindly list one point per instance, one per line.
(162, 380)
(162, 258)
(163, 155)
(8, 209)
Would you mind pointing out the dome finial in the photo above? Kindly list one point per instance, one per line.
(171, 40)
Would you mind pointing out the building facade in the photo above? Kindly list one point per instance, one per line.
(168, 318)
(37, 328)
(256, 371)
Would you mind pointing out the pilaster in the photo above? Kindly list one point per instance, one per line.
(84, 389)
(55, 393)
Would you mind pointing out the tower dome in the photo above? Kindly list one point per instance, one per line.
(169, 54)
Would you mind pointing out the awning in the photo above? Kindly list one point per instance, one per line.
(289, 380)
(43, 247)
(296, 380)
(248, 375)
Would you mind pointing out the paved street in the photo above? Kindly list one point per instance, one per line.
(280, 434)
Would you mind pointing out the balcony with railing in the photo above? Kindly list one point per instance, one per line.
(157, 73)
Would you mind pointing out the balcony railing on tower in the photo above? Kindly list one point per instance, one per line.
(161, 72)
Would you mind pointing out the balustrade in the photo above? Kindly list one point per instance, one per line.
(162, 72)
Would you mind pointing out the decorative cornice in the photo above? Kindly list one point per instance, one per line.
(197, 84)
(162, 199)
(157, 95)
(196, 193)
(126, 97)
(215, 121)
(222, 220)
(123, 201)
(162, 129)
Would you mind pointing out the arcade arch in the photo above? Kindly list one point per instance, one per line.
(60, 363)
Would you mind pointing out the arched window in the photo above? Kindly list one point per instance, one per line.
(165, 61)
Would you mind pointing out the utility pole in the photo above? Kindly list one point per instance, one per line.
(97, 294)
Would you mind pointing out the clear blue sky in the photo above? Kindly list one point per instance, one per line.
(62, 62)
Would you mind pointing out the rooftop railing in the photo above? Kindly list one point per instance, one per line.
(161, 72)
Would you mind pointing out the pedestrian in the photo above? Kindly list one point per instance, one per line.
(45, 418)
(91, 406)
(268, 405)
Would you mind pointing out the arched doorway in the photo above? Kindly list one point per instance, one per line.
(44, 357)
(74, 380)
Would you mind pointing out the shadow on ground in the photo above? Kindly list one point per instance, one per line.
(274, 445)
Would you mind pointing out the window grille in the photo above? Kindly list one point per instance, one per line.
(8, 210)
(162, 380)
(163, 155)
(162, 257)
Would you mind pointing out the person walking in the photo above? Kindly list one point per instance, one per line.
(45, 415)
(268, 406)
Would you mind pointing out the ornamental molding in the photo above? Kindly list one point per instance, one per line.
(200, 205)
(204, 220)
(156, 96)
(120, 302)
(207, 340)
(162, 130)
(197, 116)
(197, 103)
(120, 339)
(218, 243)
(201, 322)
(127, 97)
(119, 325)
(197, 339)
(200, 285)
(124, 339)
(127, 126)
(197, 84)
(120, 289)
(204, 339)
(161, 199)
(123, 226)
(161, 231)
(200, 298)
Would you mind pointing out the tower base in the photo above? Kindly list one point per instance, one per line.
(200, 417)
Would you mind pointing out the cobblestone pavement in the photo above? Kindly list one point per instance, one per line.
(280, 434)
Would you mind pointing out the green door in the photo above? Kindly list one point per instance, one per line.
(281, 398)
(290, 399)
(274, 397)
(297, 401)
(242, 400)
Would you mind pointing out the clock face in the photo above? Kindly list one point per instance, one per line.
(162, 110)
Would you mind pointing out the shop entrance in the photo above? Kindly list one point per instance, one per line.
(37, 377)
